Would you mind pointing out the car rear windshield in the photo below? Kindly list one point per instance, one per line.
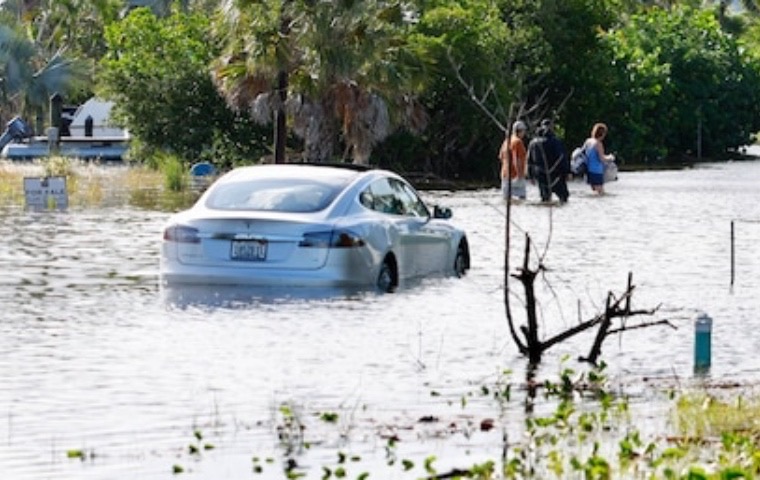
(297, 195)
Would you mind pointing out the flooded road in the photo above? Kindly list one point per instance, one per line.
(107, 375)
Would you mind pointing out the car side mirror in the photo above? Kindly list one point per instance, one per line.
(441, 212)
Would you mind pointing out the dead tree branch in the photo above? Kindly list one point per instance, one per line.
(642, 325)
(615, 308)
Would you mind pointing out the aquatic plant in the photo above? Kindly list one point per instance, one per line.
(589, 432)
(174, 171)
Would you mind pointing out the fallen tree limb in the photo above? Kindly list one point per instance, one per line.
(615, 308)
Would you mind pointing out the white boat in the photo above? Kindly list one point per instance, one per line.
(92, 137)
(88, 148)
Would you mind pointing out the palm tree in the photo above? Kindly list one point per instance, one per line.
(31, 75)
(347, 75)
(258, 54)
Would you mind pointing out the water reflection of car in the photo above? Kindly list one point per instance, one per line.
(311, 225)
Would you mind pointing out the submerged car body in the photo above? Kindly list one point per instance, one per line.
(310, 225)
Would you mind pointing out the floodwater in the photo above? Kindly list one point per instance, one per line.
(106, 375)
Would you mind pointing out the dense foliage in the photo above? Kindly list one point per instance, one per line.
(425, 85)
(348, 73)
(681, 84)
(157, 72)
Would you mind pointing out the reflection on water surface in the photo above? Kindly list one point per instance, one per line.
(188, 296)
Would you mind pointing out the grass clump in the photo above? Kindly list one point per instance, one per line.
(703, 416)
(11, 186)
(174, 171)
(57, 166)
(93, 185)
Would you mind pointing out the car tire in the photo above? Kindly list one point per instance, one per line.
(387, 280)
(462, 259)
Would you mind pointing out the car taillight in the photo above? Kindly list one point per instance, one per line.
(181, 234)
(345, 238)
(335, 238)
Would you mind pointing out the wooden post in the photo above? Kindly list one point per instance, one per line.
(56, 109)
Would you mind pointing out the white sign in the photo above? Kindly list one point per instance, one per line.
(43, 193)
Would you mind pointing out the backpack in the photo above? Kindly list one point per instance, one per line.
(579, 162)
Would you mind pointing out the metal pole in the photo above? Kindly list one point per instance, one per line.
(702, 343)
(699, 136)
(732, 254)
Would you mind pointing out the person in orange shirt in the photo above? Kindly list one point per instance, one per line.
(514, 148)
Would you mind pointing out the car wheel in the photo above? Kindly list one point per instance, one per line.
(386, 279)
(462, 260)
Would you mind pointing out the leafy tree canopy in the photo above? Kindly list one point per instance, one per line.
(682, 86)
(157, 72)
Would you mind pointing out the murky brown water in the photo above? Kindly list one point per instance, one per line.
(96, 357)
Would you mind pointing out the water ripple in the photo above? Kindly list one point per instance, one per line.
(97, 356)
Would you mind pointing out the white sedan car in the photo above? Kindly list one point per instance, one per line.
(311, 225)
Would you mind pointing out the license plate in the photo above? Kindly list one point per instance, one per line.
(249, 250)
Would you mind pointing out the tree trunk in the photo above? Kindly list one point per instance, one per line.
(280, 121)
(280, 124)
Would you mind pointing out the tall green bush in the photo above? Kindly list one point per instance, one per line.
(682, 87)
(157, 72)
(175, 173)
(460, 140)
(575, 71)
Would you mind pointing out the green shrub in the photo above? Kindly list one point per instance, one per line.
(174, 171)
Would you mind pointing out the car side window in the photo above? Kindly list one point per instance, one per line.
(380, 197)
(367, 199)
(413, 205)
(389, 195)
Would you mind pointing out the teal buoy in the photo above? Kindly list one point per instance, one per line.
(702, 342)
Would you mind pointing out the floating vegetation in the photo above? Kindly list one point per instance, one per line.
(573, 426)
(704, 416)
(76, 454)
(329, 417)
(79, 454)
(589, 433)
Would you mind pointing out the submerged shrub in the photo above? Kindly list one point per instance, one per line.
(175, 174)
(58, 167)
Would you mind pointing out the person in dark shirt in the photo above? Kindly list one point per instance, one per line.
(548, 162)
